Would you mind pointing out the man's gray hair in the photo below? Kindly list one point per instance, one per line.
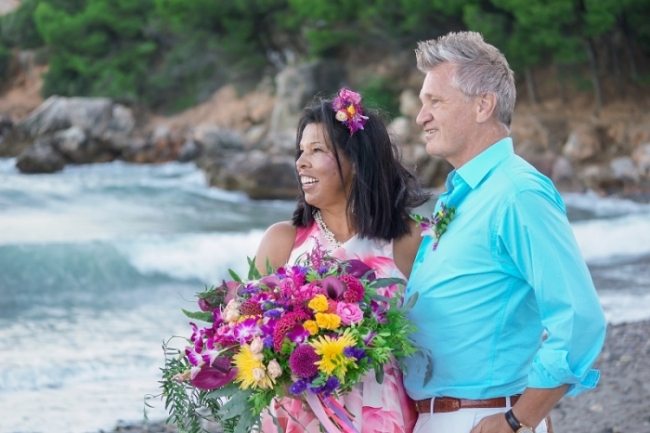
(478, 68)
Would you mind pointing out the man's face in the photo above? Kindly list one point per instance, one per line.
(447, 116)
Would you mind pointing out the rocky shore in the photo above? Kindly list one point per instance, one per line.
(620, 403)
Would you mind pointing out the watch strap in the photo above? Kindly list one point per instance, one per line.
(513, 422)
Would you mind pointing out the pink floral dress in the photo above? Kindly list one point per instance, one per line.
(375, 407)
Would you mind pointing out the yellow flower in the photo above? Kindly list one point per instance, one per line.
(351, 110)
(318, 303)
(328, 321)
(249, 367)
(311, 326)
(331, 352)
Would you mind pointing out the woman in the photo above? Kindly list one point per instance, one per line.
(355, 202)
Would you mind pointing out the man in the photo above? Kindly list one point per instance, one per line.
(506, 309)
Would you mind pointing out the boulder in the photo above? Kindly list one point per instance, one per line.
(583, 144)
(257, 174)
(563, 175)
(190, 151)
(409, 104)
(216, 139)
(624, 169)
(295, 88)
(40, 157)
(641, 158)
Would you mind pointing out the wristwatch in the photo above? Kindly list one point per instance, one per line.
(515, 425)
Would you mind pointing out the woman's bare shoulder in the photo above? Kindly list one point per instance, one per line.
(276, 245)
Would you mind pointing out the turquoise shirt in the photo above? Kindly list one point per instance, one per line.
(507, 269)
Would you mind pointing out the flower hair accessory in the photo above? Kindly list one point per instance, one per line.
(348, 110)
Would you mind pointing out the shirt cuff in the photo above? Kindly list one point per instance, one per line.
(550, 369)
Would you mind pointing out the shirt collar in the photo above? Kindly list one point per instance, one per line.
(478, 167)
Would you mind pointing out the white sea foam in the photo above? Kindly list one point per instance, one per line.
(604, 239)
(603, 206)
(204, 257)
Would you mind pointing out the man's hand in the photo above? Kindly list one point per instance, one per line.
(492, 424)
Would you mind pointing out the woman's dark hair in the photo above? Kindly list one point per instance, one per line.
(383, 191)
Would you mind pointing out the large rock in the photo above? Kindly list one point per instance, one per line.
(40, 157)
(296, 87)
(216, 139)
(107, 123)
(409, 104)
(641, 157)
(257, 174)
(584, 143)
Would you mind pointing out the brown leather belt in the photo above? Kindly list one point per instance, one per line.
(450, 404)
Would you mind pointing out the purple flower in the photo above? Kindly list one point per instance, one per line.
(354, 352)
(332, 287)
(216, 375)
(246, 330)
(270, 281)
(274, 313)
(378, 313)
(329, 387)
(322, 270)
(298, 386)
(268, 341)
(358, 269)
(302, 361)
(298, 334)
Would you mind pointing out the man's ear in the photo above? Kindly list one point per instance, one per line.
(486, 103)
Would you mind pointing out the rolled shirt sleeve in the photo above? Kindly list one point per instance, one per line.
(535, 243)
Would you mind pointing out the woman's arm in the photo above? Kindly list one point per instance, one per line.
(276, 246)
(406, 248)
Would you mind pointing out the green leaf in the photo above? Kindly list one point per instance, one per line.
(269, 268)
(234, 276)
(253, 273)
(410, 303)
(224, 391)
(379, 375)
(385, 282)
(205, 316)
(237, 405)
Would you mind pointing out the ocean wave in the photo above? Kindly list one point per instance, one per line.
(203, 257)
(601, 240)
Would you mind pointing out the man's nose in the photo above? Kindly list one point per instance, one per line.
(423, 116)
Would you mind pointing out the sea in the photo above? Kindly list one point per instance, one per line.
(97, 261)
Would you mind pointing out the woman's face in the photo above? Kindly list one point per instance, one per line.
(318, 172)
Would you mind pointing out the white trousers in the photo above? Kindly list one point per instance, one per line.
(461, 421)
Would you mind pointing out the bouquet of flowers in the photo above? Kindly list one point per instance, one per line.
(311, 330)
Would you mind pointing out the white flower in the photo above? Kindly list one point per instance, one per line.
(341, 116)
(257, 345)
(258, 374)
(274, 369)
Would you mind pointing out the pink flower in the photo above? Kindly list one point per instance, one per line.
(349, 313)
(355, 291)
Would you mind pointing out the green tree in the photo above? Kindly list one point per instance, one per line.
(101, 50)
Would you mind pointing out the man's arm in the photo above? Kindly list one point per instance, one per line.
(537, 239)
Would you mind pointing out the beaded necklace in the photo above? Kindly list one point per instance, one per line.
(327, 234)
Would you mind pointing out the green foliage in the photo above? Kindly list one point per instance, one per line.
(170, 54)
(5, 62)
(379, 94)
(98, 51)
(18, 27)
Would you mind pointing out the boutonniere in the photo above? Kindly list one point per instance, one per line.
(438, 223)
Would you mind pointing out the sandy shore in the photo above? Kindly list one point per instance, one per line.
(620, 403)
